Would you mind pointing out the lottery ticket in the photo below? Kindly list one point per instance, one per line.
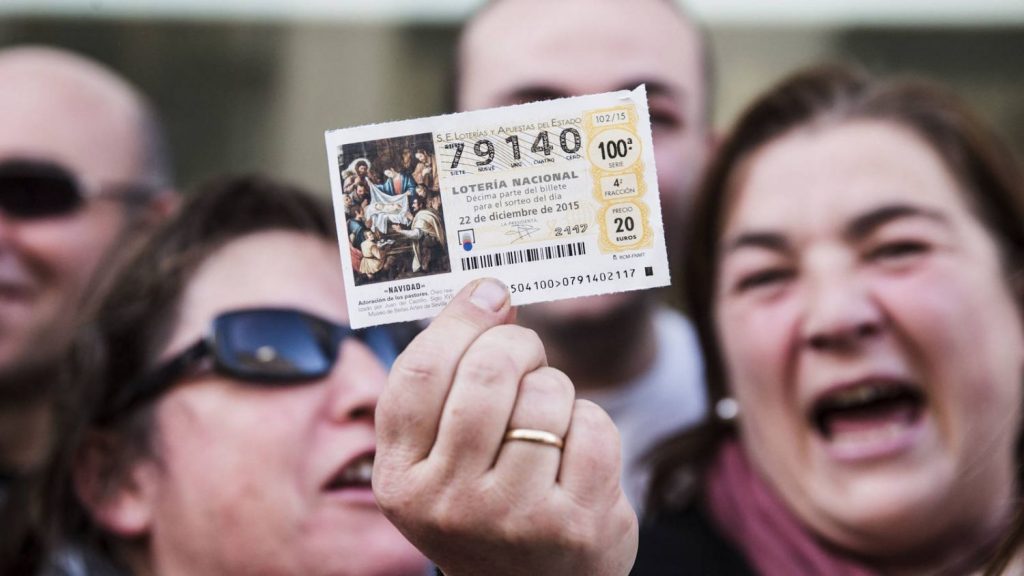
(557, 199)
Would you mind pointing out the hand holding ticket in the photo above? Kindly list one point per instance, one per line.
(557, 199)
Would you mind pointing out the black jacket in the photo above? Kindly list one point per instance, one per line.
(685, 543)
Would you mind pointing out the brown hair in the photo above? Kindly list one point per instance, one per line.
(134, 318)
(454, 81)
(828, 95)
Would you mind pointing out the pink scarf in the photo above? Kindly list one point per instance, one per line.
(751, 516)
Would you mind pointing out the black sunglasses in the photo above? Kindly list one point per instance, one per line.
(32, 189)
(262, 347)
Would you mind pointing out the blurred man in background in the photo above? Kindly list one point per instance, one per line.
(629, 353)
(83, 167)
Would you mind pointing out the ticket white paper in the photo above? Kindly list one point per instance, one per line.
(557, 199)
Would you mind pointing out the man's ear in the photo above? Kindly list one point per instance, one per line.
(116, 490)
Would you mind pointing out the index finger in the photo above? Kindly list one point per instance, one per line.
(409, 409)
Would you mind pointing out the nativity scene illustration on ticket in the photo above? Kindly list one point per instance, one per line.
(557, 199)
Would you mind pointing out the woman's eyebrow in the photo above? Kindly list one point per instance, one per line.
(864, 225)
(858, 228)
(757, 239)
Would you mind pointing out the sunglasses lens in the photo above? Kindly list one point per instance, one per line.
(271, 345)
(37, 191)
(382, 342)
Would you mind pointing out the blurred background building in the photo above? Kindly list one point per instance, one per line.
(253, 84)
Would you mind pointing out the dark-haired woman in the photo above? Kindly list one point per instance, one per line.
(856, 276)
(228, 424)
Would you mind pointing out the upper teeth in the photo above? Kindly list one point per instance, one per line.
(358, 472)
(856, 395)
(867, 393)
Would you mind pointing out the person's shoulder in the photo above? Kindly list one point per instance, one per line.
(671, 323)
(677, 340)
(685, 542)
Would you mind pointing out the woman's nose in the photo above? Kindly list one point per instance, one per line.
(841, 314)
(356, 382)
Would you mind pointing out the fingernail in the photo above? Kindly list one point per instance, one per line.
(489, 295)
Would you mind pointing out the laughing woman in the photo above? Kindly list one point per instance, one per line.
(856, 277)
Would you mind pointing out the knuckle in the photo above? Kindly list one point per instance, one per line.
(593, 422)
(596, 440)
(395, 421)
(514, 332)
(551, 383)
(462, 317)
(626, 518)
(418, 364)
(501, 354)
(525, 342)
(484, 367)
(545, 400)
(464, 424)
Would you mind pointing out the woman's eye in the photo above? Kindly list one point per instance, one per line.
(763, 278)
(897, 250)
(661, 120)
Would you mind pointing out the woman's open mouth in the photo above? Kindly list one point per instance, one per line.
(356, 474)
(871, 418)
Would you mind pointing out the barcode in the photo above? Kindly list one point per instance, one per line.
(521, 256)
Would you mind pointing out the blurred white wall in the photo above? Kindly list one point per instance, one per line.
(253, 84)
(728, 12)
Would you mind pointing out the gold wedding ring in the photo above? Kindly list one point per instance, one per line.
(538, 436)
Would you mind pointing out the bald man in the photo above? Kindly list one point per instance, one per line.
(628, 353)
(82, 167)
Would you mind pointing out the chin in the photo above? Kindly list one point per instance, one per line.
(891, 514)
(401, 559)
(375, 549)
